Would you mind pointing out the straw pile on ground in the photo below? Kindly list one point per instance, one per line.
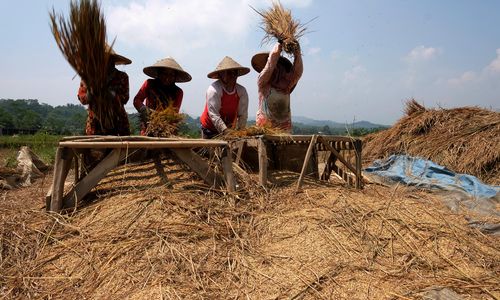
(169, 237)
(82, 41)
(466, 139)
(278, 23)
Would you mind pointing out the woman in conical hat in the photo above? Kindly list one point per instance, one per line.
(277, 79)
(226, 106)
(118, 93)
(160, 91)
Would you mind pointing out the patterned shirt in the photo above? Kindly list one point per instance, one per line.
(118, 90)
(274, 87)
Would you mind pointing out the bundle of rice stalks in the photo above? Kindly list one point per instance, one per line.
(413, 107)
(82, 40)
(253, 131)
(464, 139)
(277, 22)
(164, 122)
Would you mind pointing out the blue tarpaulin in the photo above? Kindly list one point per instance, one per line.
(427, 174)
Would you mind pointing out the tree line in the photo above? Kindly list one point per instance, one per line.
(28, 116)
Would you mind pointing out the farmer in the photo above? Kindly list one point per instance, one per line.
(226, 105)
(277, 79)
(161, 91)
(117, 95)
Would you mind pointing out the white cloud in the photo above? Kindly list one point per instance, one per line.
(494, 66)
(179, 25)
(488, 73)
(313, 50)
(297, 3)
(335, 55)
(353, 74)
(422, 53)
(464, 78)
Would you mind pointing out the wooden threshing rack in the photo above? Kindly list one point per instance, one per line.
(277, 152)
(70, 149)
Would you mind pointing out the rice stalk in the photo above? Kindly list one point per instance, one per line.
(82, 41)
(164, 122)
(277, 22)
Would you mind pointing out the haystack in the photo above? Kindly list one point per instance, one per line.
(465, 139)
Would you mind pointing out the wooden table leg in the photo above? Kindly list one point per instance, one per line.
(227, 166)
(261, 146)
(306, 161)
(199, 166)
(92, 179)
(62, 165)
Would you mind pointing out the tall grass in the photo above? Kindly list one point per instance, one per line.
(43, 144)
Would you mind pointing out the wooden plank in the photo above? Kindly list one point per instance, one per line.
(358, 145)
(304, 138)
(174, 144)
(92, 179)
(262, 162)
(306, 160)
(227, 167)
(327, 171)
(62, 164)
(199, 166)
(337, 154)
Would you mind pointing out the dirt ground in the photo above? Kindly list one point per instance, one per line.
(158, 232)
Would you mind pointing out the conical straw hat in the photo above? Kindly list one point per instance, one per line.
(259, 61)
(119, 59)
(227, 63)
(170, 64)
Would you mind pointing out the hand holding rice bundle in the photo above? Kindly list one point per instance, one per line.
(277, 22)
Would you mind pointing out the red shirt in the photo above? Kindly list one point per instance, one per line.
(157, 96)
(228, 111)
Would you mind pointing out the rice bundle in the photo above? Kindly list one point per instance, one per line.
(277, 22)
(463, 139)
(253, 131)
(164, 122)
(82, 40)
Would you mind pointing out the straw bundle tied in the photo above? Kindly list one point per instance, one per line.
(145, 239)
(463, 139)
(277, 22)
(82, 40)
(164, 122)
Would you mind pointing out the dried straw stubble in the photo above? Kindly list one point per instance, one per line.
(140, 240)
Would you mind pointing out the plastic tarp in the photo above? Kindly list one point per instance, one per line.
(458, 190)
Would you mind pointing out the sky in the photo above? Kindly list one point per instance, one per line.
(363, 59)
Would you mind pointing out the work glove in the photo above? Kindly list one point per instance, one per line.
(144, 113)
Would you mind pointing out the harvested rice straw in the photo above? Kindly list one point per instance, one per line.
(164, 122)
(82, 41)
(253, 131)
(277, 22)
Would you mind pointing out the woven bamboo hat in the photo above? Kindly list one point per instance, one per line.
(119, 59)
(226, 64)
(259, 61)
(170, 64)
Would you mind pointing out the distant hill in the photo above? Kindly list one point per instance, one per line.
(332, 124)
